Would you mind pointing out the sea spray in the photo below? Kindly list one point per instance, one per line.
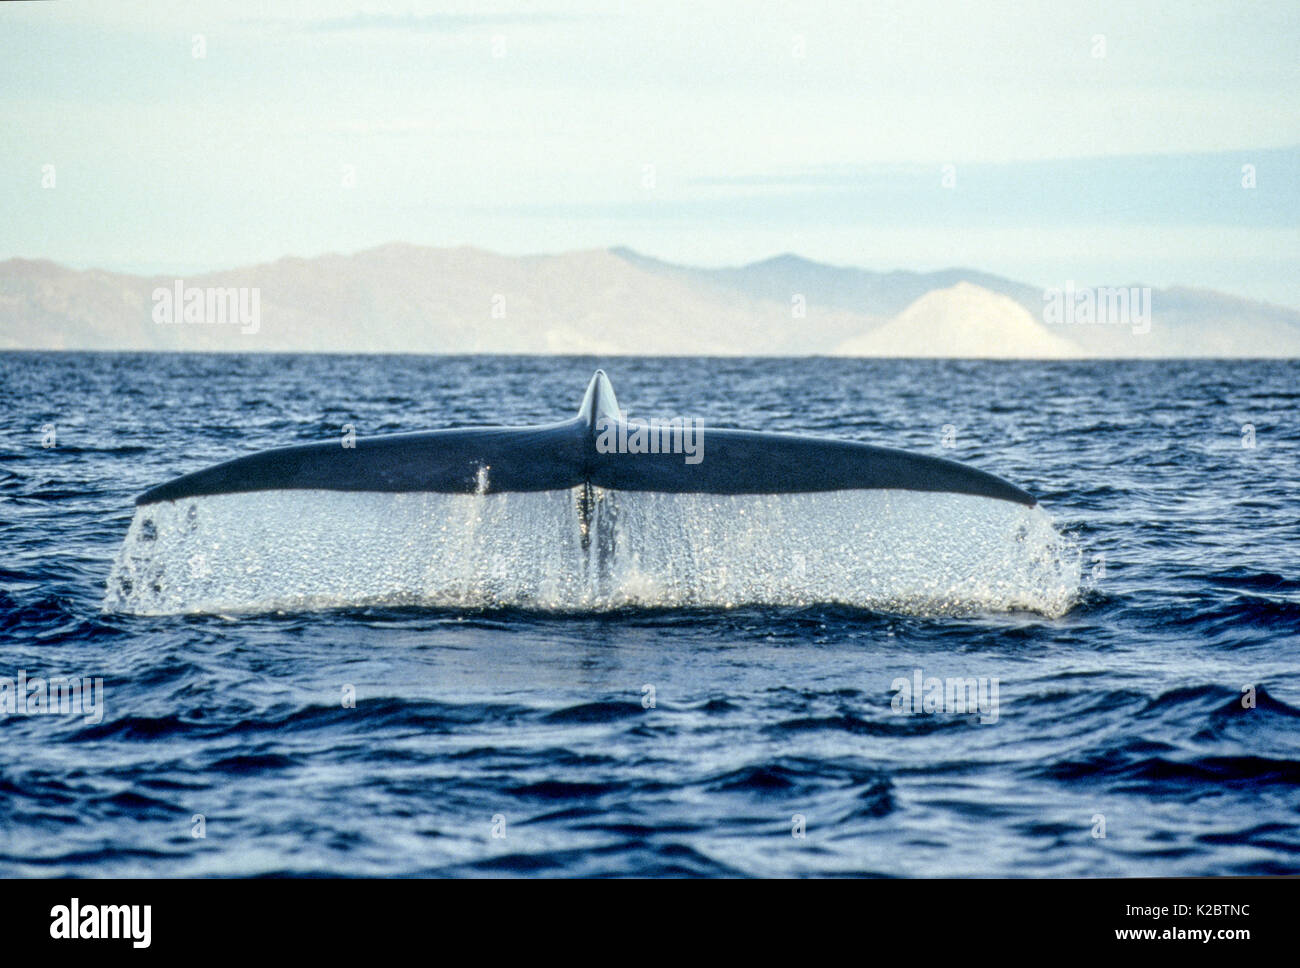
(897, 551)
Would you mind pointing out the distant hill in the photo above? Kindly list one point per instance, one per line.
(416, 299)
(857, 290)
(965, 321)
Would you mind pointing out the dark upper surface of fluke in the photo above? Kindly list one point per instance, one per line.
(564, 455)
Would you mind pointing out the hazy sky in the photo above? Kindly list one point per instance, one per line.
(709, 133)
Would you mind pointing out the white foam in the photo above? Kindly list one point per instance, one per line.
(897, 551)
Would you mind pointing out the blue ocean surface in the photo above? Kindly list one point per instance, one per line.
(1150, 728)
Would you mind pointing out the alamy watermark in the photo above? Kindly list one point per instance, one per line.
(680, 435)
(957, 695)
(55, 696)
(212, 305)
(76, 921)
(1103, 306)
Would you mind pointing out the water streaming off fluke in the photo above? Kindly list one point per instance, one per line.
(889, 550)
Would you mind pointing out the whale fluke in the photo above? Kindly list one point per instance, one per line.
(570, 454)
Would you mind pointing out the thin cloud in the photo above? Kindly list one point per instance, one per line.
(439, 23)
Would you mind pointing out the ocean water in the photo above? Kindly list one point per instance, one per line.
(731, 715)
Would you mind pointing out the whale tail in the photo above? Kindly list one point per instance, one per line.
(595, 512)
(599, 447)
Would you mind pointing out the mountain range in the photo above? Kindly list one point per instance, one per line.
(401, 298)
